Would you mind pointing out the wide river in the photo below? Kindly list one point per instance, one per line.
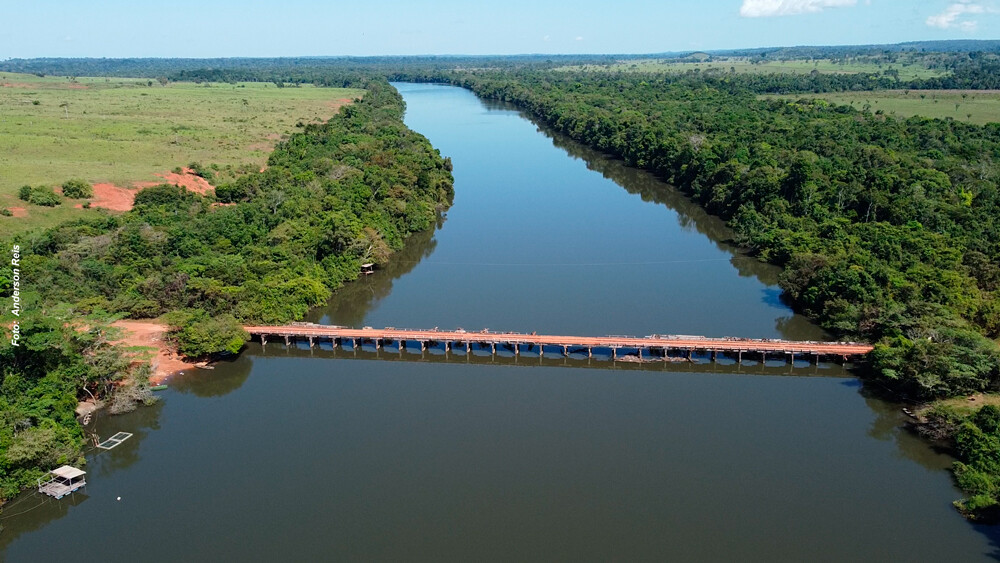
(292, 454)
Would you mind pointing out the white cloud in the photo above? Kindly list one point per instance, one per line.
(952, 16)
(578, 38)
(766, 8)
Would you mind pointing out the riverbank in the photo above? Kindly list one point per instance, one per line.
(166, 361)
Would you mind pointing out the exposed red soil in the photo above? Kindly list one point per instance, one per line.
(111, 197)
(116, 198)
(78, 86)
(188, 179)
(15, 85)
(151, 334)
(18, 211)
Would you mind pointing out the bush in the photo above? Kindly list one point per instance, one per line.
(24, 194)
(198, 170)
(44, 196)
(77, 189)
(198, 334)
(6, 212)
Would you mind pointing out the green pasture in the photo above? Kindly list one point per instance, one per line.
(125, 130)
(973, 106)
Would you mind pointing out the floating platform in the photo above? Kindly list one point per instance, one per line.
(63, 481)
(114, 441)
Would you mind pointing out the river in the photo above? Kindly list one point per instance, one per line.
(292, 454)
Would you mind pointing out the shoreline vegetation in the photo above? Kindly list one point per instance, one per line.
(265, 248)
(886, 228)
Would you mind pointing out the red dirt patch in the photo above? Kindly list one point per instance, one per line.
(115, 198)
(15, 85)
(189, 180)
(18, 211)
(78, 86)
(153, 335)
(111, 197)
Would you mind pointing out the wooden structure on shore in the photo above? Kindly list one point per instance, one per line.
(617, 347)
(63, 481)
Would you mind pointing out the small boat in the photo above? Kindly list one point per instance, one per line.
(160, 387)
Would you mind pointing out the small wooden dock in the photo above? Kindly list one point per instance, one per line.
(617, 347)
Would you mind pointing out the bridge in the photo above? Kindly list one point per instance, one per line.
(623, 348)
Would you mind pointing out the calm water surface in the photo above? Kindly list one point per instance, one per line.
(335, 454)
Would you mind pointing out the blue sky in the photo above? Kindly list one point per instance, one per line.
(249, 28)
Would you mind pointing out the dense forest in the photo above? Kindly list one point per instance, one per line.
(266, 248)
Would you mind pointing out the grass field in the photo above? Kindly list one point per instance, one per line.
(125, 130)
(826, 66)
(974, 106)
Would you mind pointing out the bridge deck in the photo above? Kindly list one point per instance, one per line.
(695, 343)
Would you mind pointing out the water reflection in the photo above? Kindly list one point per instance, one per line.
(31, 510)
(225, 377)
(690, 216)
(351, 303)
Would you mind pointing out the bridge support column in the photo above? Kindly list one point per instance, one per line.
(715, 355)
(423, 346)
(614, 353)
(447, 347)
(517, 349)
(541, 350)
(468, 347)
(566, 351)
(288, 341)
(263, 340)
(739, 357)
(493, 348)
(590, 352)
(311, 343)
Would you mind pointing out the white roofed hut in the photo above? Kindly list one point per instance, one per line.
(63, 481)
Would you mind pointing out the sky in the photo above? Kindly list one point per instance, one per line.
(253, 28)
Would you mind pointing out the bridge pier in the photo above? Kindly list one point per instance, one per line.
(311, 343)
(288, 341)
(263, 340)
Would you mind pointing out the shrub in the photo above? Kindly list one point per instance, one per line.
(6, 212)
(77, 189)
(44, 196)
(198, 334)
(24, 193)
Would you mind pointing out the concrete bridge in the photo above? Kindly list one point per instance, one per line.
(623, 348)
